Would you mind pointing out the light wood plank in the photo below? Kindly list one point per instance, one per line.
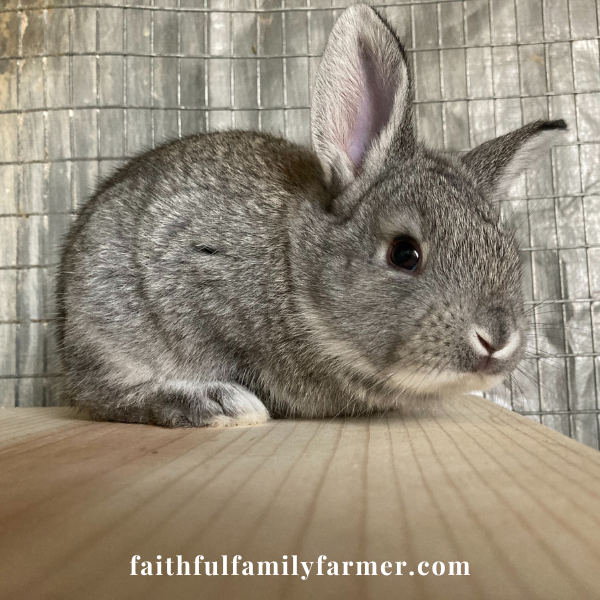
(474, 482)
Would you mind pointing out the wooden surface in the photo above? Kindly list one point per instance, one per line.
(475, 483)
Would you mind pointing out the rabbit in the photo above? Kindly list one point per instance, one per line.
(229, 277)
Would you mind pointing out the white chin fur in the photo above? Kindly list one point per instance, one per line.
(442, 382)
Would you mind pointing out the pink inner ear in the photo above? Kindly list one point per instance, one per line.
(376, 93)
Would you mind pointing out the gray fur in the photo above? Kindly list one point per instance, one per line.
(227, 274)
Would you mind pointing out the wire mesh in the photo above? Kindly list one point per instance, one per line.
(85, 85)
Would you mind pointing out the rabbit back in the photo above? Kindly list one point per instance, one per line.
(168, 272)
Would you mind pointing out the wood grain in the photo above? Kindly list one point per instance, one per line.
(476, 483)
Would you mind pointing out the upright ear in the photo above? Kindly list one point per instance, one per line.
(362, 97)
(497, 163)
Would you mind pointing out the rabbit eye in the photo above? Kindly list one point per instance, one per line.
(405, 254)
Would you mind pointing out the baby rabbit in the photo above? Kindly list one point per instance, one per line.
(228, 276)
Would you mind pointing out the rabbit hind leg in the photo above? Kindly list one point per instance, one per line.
(183, 404)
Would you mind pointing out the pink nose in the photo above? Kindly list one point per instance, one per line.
(486, 344)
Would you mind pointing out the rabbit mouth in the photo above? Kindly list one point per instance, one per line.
(424, 381)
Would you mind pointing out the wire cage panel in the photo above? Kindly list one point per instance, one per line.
(84, 85)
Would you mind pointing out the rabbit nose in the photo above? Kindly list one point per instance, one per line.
(485, 345)
(483, 341)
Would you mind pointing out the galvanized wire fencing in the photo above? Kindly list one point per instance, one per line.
(86, 84)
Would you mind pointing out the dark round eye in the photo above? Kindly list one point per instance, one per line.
(405, 254)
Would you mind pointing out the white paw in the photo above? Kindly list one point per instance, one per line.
(214, 404)
(240, 408)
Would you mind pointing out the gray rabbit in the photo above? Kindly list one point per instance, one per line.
(226, 277)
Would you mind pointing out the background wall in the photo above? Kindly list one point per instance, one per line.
(84, 85)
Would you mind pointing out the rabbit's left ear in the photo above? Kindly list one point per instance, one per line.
(497, 163)
(362, 98)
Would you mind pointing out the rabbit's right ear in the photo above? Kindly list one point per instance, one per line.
(362, 101)
(495, 164)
